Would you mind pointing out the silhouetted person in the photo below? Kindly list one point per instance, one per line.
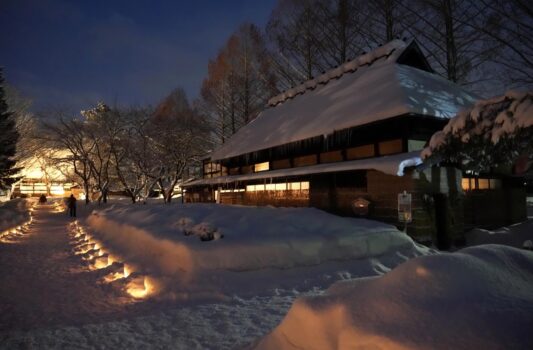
(72, 206)
(42, 199)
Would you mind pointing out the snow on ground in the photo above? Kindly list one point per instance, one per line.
(516, 235)
(63, 282)
(13, 214)
(253, 249)
(54, 296)
(477, 298)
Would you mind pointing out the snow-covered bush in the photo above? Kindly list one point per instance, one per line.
(494, 132)
(205, 231)
(184, 225)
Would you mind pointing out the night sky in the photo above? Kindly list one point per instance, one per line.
(71, 54)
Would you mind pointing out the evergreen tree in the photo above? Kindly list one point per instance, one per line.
(8, 141)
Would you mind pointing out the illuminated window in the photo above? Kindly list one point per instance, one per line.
(57, 190)
(291, 186)
(294, 186)
(469, 184)
(390, 147)
(281, 187)
(465, 184)
(232, 190)
(482, 184)
(360, 152)
(261, 167)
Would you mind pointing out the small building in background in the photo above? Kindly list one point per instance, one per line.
(348, 142)
(39, 175)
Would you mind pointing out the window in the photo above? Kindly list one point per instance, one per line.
(469, 184)
(248, 169)
(283, 186)
(261, 167)
(415, 145)
(234, 171)
(305, 160)
(495, 184)
(465, 184)
(365, 151)
(213, 170)
(232, 190)
(329, 157)
(281, 164)
(483, 184)
(390, 147)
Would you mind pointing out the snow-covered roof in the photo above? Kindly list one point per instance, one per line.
(393, 165)
(370, 88)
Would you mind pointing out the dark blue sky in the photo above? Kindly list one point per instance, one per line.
(63, 53)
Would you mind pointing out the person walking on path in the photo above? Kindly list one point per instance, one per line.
(72, 206)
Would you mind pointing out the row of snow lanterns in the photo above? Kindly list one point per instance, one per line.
(59, 207)
(90, 250)
(19, 230)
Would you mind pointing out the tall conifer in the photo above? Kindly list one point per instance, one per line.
(8, 141)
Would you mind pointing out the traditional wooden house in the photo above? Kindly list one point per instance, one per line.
(347, 142)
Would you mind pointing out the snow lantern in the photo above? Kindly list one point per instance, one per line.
(360, 206)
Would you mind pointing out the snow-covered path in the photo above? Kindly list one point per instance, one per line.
(50, 299)
(44, 284)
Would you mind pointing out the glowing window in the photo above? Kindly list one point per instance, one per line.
(281, 187)
(465, 184)
(294, 186)
(291, 186)
(483, 184)
(261, 167)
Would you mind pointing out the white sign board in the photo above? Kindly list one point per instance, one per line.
(404, 207)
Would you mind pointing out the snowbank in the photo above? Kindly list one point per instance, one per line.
(478, 298)
(514, 235)
(14, 213)
(165, 242)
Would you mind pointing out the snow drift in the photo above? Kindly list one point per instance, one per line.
(515, 235)
(165, 242)
(14, 213)
(478, 298)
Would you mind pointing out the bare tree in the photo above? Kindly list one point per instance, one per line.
(71, 135)
(442, 28)
(512, 30)
(240, 80)
(180, 136)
